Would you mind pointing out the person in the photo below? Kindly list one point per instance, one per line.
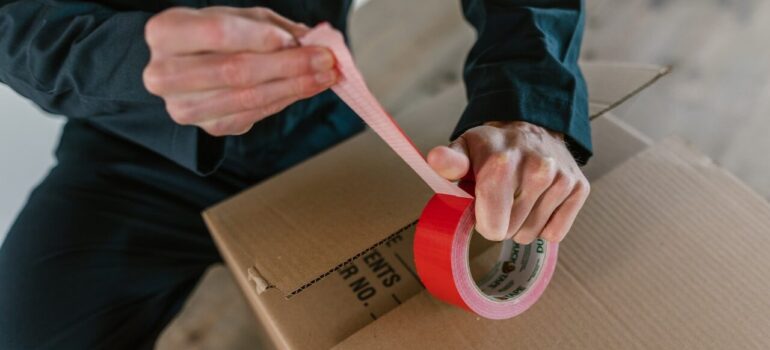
(171, 109)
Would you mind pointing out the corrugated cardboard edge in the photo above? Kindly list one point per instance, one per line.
(237, 261)
(659, 72)
(260, 283)
(614, 142)
(252, 274)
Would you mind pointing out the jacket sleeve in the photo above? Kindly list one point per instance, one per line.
(84, 60)
(524, 66)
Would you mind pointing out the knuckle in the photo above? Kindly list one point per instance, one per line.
(564, 185)
(151, 31)
(158, 25)
(154, 28)
(157, 76)
(180, 112)
(152, 79)
(583, 188)
(498, 166)
(298, 62)
(218, 128)
(242, 124)
(548, 165)
(271, 38)
(262, 13)
(487, 188)
(486, 137)
(232, 70)
(304, 87)
(214, 30)
(243, 129)
(214, 130)
(266, 112)
(261, 113)
(542, 172)
(251, 98)
(540, 180)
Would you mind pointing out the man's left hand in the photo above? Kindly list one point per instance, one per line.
(528, 185)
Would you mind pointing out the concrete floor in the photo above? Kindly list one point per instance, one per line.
(718, 97)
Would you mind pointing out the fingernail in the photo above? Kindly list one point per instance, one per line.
(322, 61)
(326, 78)
(519, 238)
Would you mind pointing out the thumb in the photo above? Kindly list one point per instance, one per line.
(450, 162)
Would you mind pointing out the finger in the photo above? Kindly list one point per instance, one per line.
(181, 74)
(199, 107)
(296, 29)
(545, 206)
(564, 216)
(495, 183)
(186, 31)
(537, 176)
(240, 123)
(451, 162)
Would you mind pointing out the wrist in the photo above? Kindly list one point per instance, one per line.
(526, 126)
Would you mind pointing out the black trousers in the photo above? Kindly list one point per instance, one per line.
(107, 248)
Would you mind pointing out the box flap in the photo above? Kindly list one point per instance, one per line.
(612, 83)
(669, 252)
(300, 226)
(614, 142)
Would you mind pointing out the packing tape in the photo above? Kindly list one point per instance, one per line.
(443, 233)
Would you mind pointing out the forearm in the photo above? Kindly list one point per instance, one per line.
(524, 67)
(52, 50)
(85, 60)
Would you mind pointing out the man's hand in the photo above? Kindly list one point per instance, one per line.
(527, 182)
(224, 69)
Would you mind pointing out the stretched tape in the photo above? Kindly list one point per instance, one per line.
(443, 233)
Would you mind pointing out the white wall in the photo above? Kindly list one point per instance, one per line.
(27, 139)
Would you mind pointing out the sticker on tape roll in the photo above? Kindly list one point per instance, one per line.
(443, 233)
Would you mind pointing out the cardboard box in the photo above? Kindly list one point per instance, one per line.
(296, 227)
(357, 203)
(669, 252)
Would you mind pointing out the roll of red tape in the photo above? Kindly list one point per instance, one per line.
(441, 247)
(443, 235)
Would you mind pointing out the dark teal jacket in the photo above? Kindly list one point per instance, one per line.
(84, 60)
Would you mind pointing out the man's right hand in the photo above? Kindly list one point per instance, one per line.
(224, 69)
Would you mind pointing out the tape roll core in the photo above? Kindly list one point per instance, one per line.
(516, 267)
